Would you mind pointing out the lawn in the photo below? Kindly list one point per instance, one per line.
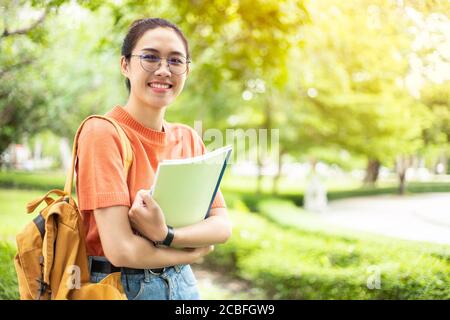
(13, 214)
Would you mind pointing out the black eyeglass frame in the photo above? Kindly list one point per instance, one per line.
(159, 63)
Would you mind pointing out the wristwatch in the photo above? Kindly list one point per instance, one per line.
(168, 240)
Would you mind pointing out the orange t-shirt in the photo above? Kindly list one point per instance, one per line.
(100, 180)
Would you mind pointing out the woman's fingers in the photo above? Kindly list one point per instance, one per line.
(203, 251)
(149, 201)
(138, 200)
(143, 199)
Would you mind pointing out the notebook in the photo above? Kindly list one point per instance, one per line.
(185, 188)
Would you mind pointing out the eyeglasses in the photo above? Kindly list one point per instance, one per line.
(151, 62)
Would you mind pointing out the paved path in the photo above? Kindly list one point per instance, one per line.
(219, 285)
(423, 217)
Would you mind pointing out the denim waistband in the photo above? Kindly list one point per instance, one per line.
(146, 272)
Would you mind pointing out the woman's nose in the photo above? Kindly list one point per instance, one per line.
(163, 69)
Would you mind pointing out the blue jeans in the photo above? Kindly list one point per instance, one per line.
(174, 283)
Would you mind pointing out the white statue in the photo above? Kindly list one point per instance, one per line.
(315, 198)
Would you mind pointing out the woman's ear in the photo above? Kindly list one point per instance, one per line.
(124, 66)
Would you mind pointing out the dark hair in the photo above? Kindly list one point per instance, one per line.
(136, 31)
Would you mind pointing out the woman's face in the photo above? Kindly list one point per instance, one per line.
(164, 43)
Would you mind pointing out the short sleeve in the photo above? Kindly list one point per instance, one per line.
(101, 180)
(199, 148)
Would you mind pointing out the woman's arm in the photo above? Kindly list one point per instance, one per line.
(213, 230)
(125, 249)
(147, 218)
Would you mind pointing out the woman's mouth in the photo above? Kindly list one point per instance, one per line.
(159, 87)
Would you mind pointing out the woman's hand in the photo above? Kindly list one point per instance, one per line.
(199, 253)
(147, 217)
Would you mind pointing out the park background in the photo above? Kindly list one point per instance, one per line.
(359, 92)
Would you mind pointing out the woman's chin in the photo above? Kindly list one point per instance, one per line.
(158, 103)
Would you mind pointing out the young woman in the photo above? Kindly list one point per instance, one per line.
(155, 61)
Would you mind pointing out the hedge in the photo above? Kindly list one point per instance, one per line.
(290, 263)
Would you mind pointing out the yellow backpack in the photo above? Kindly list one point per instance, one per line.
(51, 262)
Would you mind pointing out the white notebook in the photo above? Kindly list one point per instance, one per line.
(186, 188)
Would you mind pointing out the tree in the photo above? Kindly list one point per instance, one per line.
(23, 91)
(352, 98)
(21, 98)
(436, 97)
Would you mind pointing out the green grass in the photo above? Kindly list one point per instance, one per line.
(13, 214)
(8, 280)
(32, 180)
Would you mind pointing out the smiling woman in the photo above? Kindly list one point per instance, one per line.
(153, 41)
(124, 225)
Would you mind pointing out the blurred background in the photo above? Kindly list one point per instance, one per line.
(352, 201)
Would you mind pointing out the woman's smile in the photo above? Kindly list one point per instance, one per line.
(159, 86)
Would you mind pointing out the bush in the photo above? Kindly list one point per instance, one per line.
(45, 181)
(251, 199)
(32, 180)
(290, 263)
(8, 280)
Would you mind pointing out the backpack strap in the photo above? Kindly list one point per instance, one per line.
(31, 206)
(126, 147)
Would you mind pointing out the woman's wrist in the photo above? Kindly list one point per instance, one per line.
(162, 235)
(168, 238)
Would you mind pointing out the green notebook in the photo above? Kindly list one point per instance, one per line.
(186, 188)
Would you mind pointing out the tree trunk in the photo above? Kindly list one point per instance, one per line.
(372, 172)
(402, 183)
(259, 177)
(403, 163)
(267, 124)
(277, 177)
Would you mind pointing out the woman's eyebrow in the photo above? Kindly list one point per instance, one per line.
(157, 51)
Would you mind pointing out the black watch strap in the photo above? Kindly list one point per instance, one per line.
(168, 240)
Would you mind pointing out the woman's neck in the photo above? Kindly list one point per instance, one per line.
(148, 116)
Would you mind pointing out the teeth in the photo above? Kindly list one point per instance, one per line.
(159, 85)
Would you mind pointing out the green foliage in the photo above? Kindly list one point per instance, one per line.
(302, 68)
(8, 281)
(23, 93)
(302, 264)
(252, 200)
(358, 104)
(89, 78)
(33, 181)
(437, 99)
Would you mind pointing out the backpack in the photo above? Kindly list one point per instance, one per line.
(51, 260)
